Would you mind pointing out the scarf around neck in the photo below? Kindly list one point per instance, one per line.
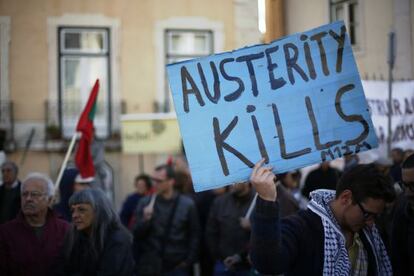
(336, 258)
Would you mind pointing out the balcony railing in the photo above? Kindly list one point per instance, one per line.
(59, 126)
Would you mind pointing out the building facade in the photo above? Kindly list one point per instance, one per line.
(52, 51)
(368, 23)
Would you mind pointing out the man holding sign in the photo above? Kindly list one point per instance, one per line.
(336, 235)
(294, 102)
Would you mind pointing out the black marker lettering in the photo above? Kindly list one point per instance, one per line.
(324, 153)
(236, 94)
(338, 151)
(274, 83)
(185, 76)
(260, 143)
(291, 62)
(350, 118)
(216, 97)
(341, 42)
(308, 57)
(220, 137)
(364, 144)
(347, 150)
(281, 136)
(318, 38)
(248, 59)
(315, 129)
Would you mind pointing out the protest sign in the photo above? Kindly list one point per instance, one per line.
(295, 102)
(150, 133)
(402, 115)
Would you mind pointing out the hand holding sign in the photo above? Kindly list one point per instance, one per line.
(263, 180)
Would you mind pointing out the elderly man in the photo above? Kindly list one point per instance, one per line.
(9, 192)
(30, 243)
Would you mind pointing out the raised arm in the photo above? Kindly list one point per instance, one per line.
(274, 244)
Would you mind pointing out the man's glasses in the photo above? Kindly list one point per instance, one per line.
(367, 215)
(34, 195)
(408, 185)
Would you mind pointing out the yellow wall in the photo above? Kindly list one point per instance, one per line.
(29, 49)
(29, 64)
(377, 22)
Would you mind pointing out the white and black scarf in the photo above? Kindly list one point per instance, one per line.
(336, 258)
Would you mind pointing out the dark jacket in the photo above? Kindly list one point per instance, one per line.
(115, 259)
(10, 212)
(402, 239)
(65, 192)
(182, 242)
(22, 253)
(293, 245)
(224, 234)
(288, 204)
(128, 208)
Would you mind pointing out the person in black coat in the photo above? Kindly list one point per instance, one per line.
(65, 192)
(97, 243)
(228, 231)
(9, 192)
(402, 235)
(324, 177)
(143, 186)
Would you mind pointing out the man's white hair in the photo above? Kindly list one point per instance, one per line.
(42, 177)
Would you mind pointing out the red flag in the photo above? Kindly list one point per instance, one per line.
(83, 158)
(170, 160)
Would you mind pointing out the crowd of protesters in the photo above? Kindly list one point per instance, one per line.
(355, 221)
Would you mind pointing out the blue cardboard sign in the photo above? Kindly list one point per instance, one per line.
(295, 102)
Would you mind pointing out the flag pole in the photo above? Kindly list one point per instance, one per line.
(65, 161)
(152, 201)
(252, 204)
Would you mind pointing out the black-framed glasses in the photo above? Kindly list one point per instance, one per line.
(367, 215)
(408, 185)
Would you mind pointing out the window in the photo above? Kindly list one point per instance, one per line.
(83, 57)
(182, 45)
(348, 11)
(6, 107)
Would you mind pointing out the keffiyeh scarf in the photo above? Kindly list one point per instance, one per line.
(336, 259)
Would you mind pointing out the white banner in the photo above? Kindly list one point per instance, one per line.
(402, 111)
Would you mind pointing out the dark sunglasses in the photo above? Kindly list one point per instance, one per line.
(367, 215)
